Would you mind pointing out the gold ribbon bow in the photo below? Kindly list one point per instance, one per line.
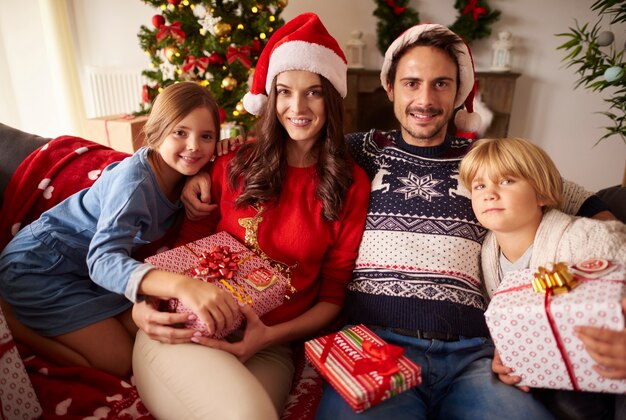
(558, 280)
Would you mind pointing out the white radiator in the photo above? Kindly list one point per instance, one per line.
(113, 91)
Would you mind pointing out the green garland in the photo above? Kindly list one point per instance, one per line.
(473, 22)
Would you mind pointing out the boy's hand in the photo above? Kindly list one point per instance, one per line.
(196, 196)
(606, 347)
(505, 373)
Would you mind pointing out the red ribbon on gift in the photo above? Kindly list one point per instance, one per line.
(382, 359)
(242, 54)
(172, 30)
(397, 10)
(472, 7)
(218, 263)
(191, 62)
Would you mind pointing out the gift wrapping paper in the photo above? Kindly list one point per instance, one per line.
(17, 396)
(121, 132)
(534, 333)
(362, 367)
(253, 280)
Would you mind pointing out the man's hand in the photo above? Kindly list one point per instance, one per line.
(196, 196)
(159, 326)
(606, 347)
(505, 373)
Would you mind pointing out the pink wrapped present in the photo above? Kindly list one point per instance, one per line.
(362, 367)
(533, 330)
(17, 396)
(224, 261)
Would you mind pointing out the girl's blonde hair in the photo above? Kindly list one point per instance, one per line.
(517, 158)
(172, 105)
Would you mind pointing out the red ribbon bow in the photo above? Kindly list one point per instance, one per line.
(397, 10)
(191, 62)
(476, 11)
(172, 30)
(242, 54)
(382, 359)
(219, 263)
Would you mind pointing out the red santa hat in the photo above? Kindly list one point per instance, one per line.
(301, 44)
(466, 120)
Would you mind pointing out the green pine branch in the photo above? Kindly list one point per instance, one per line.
(590, 62)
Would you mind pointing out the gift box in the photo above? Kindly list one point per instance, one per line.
(121, 132)
(533, 330)
(224, 261)
(17, 396)
(362, 367)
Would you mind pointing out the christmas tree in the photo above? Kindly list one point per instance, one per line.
(215, 43)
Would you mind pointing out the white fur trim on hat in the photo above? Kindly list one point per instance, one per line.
(300, 55)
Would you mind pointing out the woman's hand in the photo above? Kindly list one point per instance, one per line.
(607, 348)
(213, 305)
(505, 373)
(196, 196)
(159, 326)
(255, 338)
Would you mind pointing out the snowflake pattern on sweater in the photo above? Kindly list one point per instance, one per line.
(419, 259)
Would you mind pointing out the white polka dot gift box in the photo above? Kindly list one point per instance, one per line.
(17, 396)
(533, 313)
(223, 260)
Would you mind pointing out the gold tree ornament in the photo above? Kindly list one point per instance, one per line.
(222, 29)
(229, 82)
(240, 108)
(170, 52)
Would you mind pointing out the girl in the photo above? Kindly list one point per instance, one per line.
(69, 275)
(294, 196)
(515, 188)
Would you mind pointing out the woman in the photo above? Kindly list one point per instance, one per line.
(294, 196)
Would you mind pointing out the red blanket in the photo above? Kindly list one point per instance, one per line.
(47, 176)
(50, 174)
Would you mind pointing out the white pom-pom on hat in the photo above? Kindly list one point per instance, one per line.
(465, 120)
(303, 43)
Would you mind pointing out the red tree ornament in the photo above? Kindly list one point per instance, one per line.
(158, 20)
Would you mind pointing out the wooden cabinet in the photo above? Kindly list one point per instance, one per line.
(367, 105)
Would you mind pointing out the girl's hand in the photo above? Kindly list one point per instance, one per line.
(607, 347)
(160, 325)
(229, 145)
(255, 338)
(504, 373)
(214, 306)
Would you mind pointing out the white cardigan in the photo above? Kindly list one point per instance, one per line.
(561, 238)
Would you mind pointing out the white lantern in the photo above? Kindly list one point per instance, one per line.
(502, 56)
(354, 50)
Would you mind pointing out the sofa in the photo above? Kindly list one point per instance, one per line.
(16, 145)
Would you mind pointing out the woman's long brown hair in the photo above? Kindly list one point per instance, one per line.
(260, 166)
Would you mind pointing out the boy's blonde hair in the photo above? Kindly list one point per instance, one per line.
(172, 105)
(517, 158)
